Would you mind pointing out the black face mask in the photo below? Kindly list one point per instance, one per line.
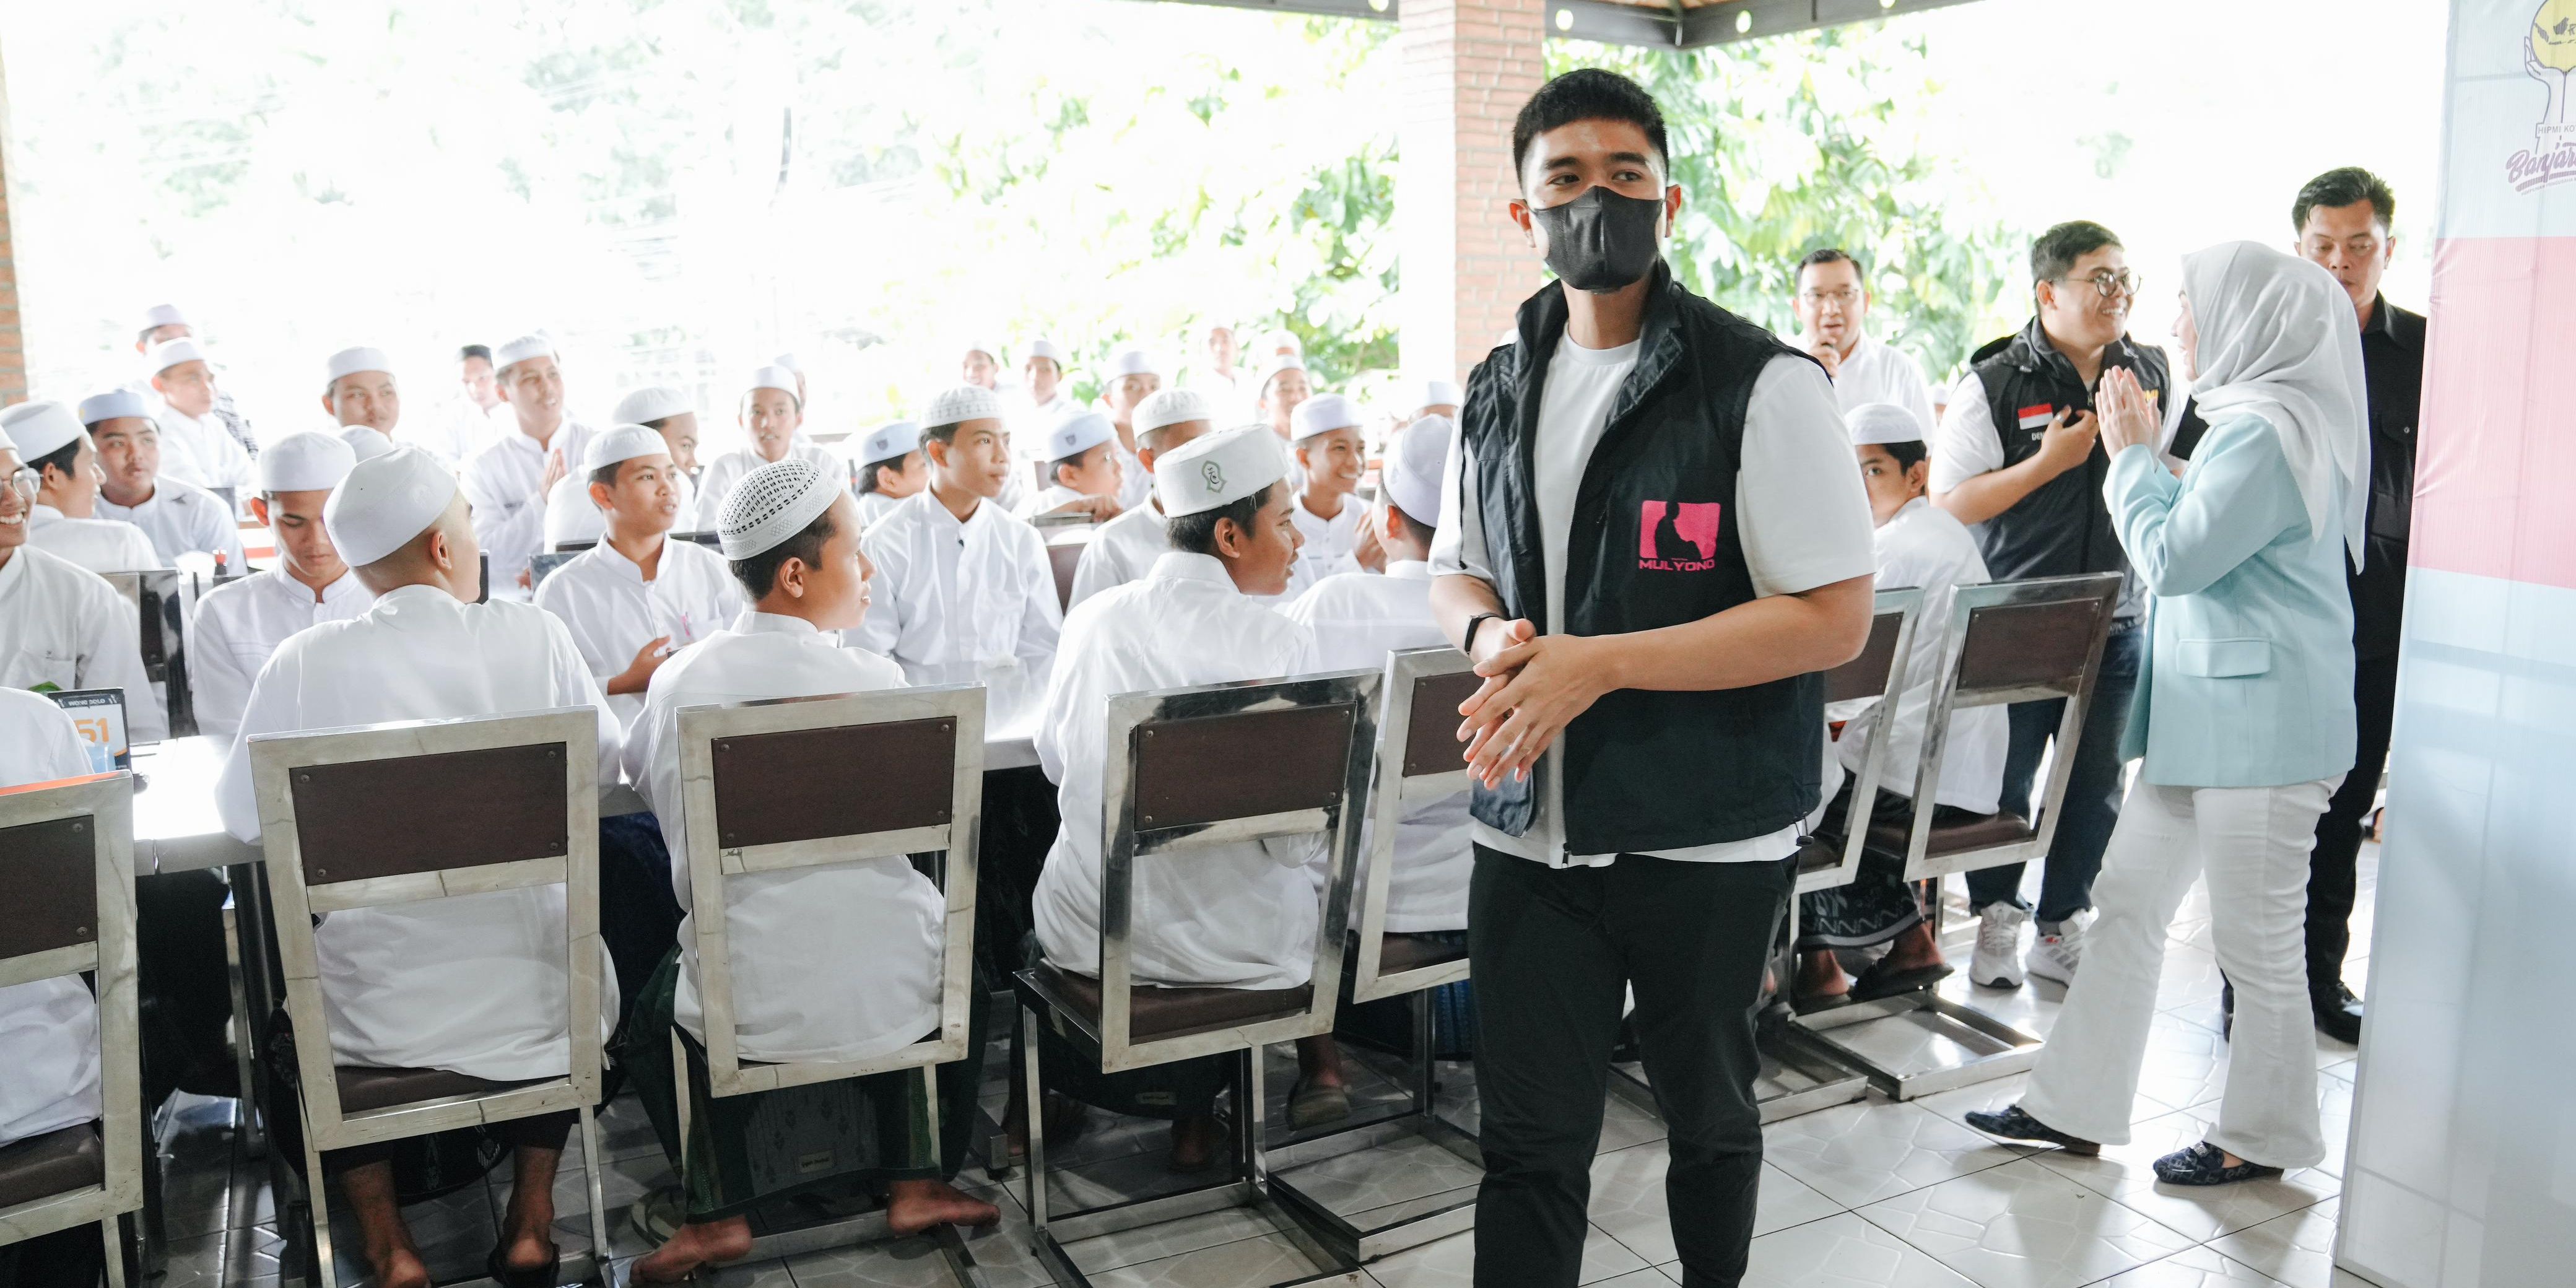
(1602, 241)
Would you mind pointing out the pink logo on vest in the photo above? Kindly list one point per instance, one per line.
(1692, 545)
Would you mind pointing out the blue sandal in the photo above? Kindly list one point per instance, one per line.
(2011, 1123)
(2206, 1164)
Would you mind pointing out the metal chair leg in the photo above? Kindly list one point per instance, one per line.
(318, 1211)
(592, 1163)
(245, 1035)
(1034, 1166)
(115, 1253)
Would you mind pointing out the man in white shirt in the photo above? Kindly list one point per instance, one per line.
(240, 623)
(964, 593)
(1133, 377)
(1235, 916)
(637, 597)
(981, 364)
(180, 518)
(61, 626)
(474, 417)
(1084, 470)
(476, 984)
(204, 449)
(507, 483)
(1221, 382)
(358, 388)
(1324, 433)
(1359, 618)
(1659, 541)
(890, 468)
(1283, 386)
(51, 440)
(774, 419)
(1125, 548)
(164, 322)
(1918, 544)
(1042, 401)
(828, 963)
(1833, 306)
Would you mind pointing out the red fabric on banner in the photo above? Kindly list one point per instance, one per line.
(2498, 447)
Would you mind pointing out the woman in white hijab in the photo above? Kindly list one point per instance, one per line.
(2244, 713)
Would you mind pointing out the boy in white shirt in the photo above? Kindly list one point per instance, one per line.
(1283, 386)
(53, 443)
(1324, 432)
(180, 518)
(240, 624)
(890, 468)
(1084, 470)
(774, 416)
(1126, 546)
(1134, 376)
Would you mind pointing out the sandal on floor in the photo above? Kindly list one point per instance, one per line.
(2206, 1164)
(1311, 1105)
(545, 1276)
(2012, 1124)
(1877, 981)
(1809, 1004)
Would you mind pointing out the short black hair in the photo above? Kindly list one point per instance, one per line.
(868, 480)
(1196, 533)
(606, 475)
(483, 351)
(657, 426)
(1073, 462)
(1414, 529)
(1907, 453)
(1828, 255)
(2053, 256)
(1588, 94)
(759, 573)
(59, 459)
(940, 433)
(2342, 188)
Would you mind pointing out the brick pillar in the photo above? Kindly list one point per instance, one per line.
(1468, 67)
(13, 344)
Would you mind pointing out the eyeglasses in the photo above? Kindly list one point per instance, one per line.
(1845, 297)
(25, 482)
(2109, 284)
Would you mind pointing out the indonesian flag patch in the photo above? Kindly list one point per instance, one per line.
(2036, 417)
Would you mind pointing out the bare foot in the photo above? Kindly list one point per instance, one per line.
(915, 1206)
(1913, 950)
(691, 1246)
(399, 1267)
(1194, 1142)
(1319, 1061)
(1820, 976)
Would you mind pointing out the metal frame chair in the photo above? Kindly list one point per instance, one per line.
(764, 792)
(2005, 642)
(369, 816)
(1422, 690)
(1164, 797)
(55, 928)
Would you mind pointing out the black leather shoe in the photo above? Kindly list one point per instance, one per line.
(2206, 1164)
(2011, 1123)
(2338, 1012)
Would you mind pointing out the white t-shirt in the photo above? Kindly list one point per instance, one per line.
(1805, 524)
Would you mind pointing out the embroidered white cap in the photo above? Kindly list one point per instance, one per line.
(1322, 414)
(39, 429)
(771, 504)
(307, 462)
(891, 441)
(1078, 433)
(961, 404)
(1880, 422)
(1167, 407)
(1410, 475)
(385, 502)
(1218, 470)
(651, 403)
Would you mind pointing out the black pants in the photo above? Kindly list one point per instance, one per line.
(2332, 881)
(639, 916)
(1554, 952)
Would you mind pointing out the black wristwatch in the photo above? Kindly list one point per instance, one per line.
(1472, 624)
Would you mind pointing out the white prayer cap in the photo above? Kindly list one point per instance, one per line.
(40, 429)
(775, 377)
(1171, 407)
(1218, 470)
(1880, 422)
(1132, 361)
(366, 442)
(771, 504)
(161, 315)
(1284, 362)
(1439, 393)
(982, 346)
(306, 462)
(520, 350)
(891, 441)
(1322, 414)
(651, 403)
(788, 360)
(351, 361)
(1078, 433)
(385, 502)
(1284, 341)
(112, 404)
(1411, 474)
(1043, 347)
(961, 404)
(170, 353)
(622, 443)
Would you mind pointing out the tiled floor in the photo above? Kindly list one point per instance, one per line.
(1874, 1194)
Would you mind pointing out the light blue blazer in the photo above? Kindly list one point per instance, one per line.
(2248, 678)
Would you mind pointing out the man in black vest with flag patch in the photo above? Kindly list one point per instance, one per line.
(1660, 540)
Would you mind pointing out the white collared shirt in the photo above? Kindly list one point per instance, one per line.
(48, 1027)
(207, 454)
(1876, 373)
(509, 510)
(957, 602)
(730, 468)
(100, 545)
(474, 983)
(1358, 618)
(182, 518)
(1121, 550)
(1330, 543)
(1240, 915)
(875, 506)
(612, 611)
(1924, 546)
(240, 624)
(64, 627)
(1135, 483)
(828, 963)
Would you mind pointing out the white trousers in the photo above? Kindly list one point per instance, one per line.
(2253, 844)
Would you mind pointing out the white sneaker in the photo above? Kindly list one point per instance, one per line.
(2055, 957)
(1997, 961)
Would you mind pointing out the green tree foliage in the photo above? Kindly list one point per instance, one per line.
(1785, 145)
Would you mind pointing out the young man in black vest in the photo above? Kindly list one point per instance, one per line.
(1659, 540)
(2016, 459)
